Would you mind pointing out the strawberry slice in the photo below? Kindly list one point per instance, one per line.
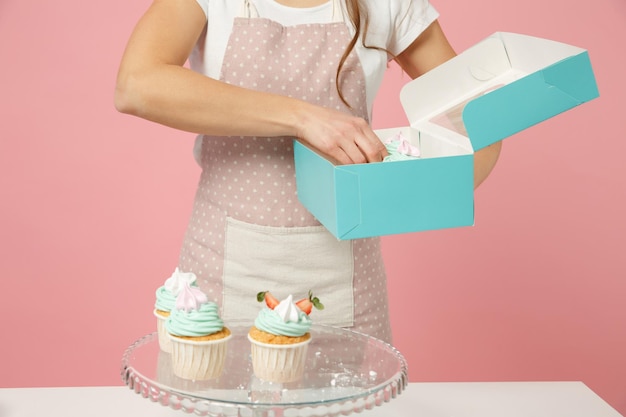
(307, 304)
(269, 299)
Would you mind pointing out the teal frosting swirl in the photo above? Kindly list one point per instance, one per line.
(200, 322)
(165, 300)
(394, 154)
(269, 321)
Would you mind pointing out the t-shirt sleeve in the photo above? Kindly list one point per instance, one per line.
(409, 18)
(204, 4)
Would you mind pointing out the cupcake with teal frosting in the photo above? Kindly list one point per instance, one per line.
(197, 335)
(166, 300)
(280, 337)
(399, 148)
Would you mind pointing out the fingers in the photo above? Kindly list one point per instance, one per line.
(357, 144)
(341, 138)
(365, 148)
(354, 153)
(344, 152)
(371, 147)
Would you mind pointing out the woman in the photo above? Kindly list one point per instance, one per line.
(264, 72)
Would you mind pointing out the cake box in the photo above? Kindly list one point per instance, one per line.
(494, 89)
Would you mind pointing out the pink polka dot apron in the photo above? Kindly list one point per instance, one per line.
(248, 232)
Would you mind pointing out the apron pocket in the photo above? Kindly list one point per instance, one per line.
(287, 260)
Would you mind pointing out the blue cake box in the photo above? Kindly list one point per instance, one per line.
(496, 88)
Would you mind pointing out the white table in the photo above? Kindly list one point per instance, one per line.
(444, 399)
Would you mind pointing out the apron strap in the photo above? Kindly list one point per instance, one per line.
(248, 10)
(337, 15)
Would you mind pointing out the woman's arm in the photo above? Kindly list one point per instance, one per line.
(153, 84)
(429, 50)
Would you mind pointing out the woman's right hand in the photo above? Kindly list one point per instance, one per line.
(338, 136)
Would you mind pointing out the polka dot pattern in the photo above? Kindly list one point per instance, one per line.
(252, 179)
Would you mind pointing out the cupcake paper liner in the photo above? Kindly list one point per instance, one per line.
(198, 360)
(164, 340)
(278, 363)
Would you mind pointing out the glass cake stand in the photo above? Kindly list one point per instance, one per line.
(345, 372)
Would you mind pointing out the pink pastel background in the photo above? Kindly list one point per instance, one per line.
(94, 205)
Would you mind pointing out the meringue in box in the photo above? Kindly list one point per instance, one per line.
(500, 86)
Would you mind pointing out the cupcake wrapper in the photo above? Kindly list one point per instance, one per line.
(198, 360)
(278, 363)
(164, 340)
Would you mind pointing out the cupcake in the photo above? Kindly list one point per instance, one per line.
(166, 300)
(197, 335)
(280, 337)
(399, 148)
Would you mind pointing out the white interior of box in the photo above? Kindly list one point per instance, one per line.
(434, 102)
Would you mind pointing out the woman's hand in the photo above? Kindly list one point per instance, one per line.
(338, 136)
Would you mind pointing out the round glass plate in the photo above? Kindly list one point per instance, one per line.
(345, 372)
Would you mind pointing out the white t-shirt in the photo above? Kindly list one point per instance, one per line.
(393, 25)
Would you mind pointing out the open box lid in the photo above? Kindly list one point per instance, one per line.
(498, 87)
